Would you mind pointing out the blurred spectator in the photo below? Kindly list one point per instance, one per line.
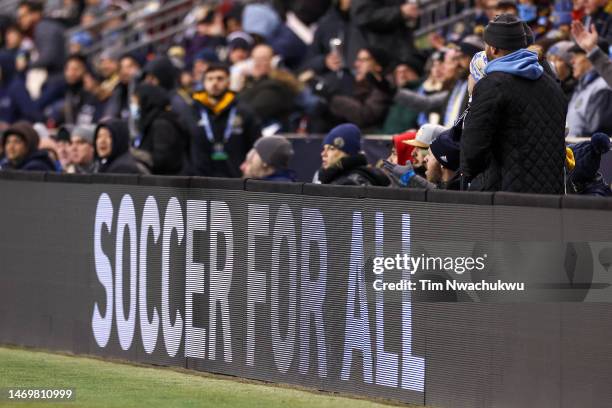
(160, 133)
(596, 14)
(561, 59)
(270, 92)
(588, 40)
(369, 101)
(201, 62)
(406, 75)
(590, 109)
(449, 104)
(15, 101)
(269, 160)
(48, 37)
(207, 35)
(20, 145)
(82, 149)
(336, 41)
(502, 148)
(62, 147)
(118, 106)
(66, 100)
(262, 21)
(225, 131)
(112, 149)
(161, 72)
(343, 163)
(387, 24)
(239, 46)
(108, 69)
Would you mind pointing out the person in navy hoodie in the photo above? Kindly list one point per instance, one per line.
(514, 134)
(20, 146)
(269, 160)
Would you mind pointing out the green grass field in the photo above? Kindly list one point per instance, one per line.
(110, 384)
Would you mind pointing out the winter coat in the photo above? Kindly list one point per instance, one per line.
(271, 98)
(513, 136)
(590, 109)
(334, 24)
(50, 46)
(160, 132)
(353, 171)
(245, 130)
(383, 25)
(120, 160)
(366, 108)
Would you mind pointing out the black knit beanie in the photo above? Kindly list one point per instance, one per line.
(506, 32)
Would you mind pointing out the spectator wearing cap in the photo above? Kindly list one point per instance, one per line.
(368, 103)
(336, 41)
(588, 40)
(225, 131)
(270, 92)
(387, 24)
(513, 135)
(82, 149)
(21, 152)
(269, 160)
(559, 56)
(239, 45)
(590, 109)
(343, 163)
(400, 151)
(424, 137)
(47, 34)
(118, 106)
(441, 166)
(406, 75)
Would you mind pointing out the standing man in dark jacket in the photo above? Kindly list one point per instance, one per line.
(343, 163)
(48, 37)
(160, 132)
(20, 145)
(513, 137)
(112, 143)
(225, 131)
(387, 24)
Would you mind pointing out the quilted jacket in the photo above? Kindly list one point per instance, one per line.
(513, 139)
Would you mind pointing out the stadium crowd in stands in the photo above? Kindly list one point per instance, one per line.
(483, 104)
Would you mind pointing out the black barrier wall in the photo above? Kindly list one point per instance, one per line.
(275, 282)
